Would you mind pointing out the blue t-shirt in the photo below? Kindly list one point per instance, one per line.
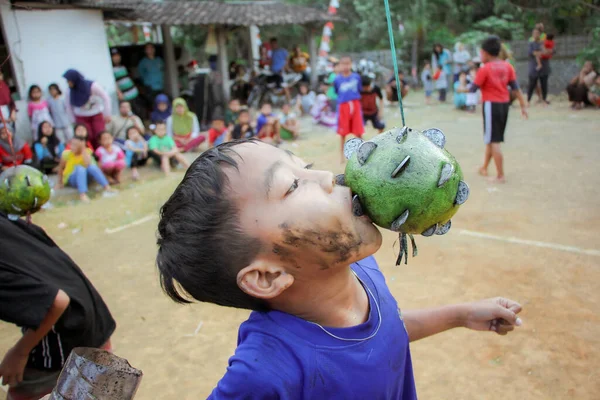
(261, 121)
(152, 72)
(281, 356)
(279, 58)
(347, 87)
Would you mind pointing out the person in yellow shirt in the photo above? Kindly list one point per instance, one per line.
(298, 63)
(77, 165)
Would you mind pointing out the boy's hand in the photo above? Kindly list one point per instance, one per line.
(13, 366)
(498, 315)
(524, 113)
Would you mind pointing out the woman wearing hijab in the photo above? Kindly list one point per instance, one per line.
(162, 109)
(22, 152)
(183, 126)
(88, 104)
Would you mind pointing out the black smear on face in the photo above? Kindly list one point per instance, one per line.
(336, 242)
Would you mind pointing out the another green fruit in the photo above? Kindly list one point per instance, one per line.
(23, 190)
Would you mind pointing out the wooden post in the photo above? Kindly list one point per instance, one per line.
(222, 60)
(171, 84)
(312, 48)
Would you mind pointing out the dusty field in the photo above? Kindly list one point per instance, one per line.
(552, 197)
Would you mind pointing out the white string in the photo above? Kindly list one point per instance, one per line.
(378, 314)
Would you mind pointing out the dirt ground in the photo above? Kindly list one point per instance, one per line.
(552, 197)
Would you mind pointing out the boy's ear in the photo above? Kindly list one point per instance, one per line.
(264, 280)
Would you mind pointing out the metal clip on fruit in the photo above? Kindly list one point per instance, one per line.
(405, 181)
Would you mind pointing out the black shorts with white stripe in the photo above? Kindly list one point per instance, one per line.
(495, 116)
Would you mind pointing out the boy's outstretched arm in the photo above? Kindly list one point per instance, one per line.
(13, 364)
(497, 315)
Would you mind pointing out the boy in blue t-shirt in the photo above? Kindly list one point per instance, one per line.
(253, 226)
(347, 85)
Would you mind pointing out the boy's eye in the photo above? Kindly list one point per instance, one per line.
(293, 187)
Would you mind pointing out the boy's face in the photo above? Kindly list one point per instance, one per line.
(303, 220)
(133, 134)
(266, 109)
(234, 105)
(106, 140)
(485, 56)
(160, 130)
(162, 106)
(285, 108)
(244, 118)
(218, 124)
(345, 65)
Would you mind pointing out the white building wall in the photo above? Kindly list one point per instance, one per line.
(45, 43)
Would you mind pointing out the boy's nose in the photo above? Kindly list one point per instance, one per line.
(325, 180)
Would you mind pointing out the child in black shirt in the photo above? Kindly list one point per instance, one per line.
(46, 294)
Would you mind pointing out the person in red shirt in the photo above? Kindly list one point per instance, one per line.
(218, 131)
(493, 79)
(371, 102)
(22, 152)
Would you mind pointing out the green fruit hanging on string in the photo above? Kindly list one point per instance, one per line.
(23, 190)
(405, 181)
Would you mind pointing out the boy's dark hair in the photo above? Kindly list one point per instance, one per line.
(55, 86)
(104, 133)
(87, 133)
(201, 246)
(550, 36)
(31, 89)
(492, 45)
(244, 111)
(132, 127)
(366, 81)
(160, 123)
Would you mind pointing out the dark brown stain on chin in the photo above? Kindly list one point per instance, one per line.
(342, 243)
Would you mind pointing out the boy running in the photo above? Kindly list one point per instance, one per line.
(493, 79)
(347, 85)
(253, 226)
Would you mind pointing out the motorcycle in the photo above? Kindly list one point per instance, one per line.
(265, 88)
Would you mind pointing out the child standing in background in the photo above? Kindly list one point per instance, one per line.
(347, 86)
(111, 158)
(231, 113)
(441, 84)
(58, 109)
(37, 109)
(371, 102)
(427, 81)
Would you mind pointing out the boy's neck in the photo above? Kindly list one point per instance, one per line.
(347, 73)
(337, 300)
(492, 59)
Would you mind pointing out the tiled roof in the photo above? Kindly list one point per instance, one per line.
(241, 13)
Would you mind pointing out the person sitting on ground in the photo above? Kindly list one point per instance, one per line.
(111, 158)
(77, 166)
(162, 109)
(38, 110)
(289, 126)
(427, 81)
(391, 89)
(82, 130)
(253, 227)
(321, 110)
(594, 93)
(371, 102)
(22, 152)
(183, 127)
(60, 115)
(56, 307)
(267, 125)
(461, 88)
(136, 151)
(217, 133)
(163, 150)
(579, 86)
(305, 99)
(231, 113)
(48, 149)
(120, 123)
(243, 129)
